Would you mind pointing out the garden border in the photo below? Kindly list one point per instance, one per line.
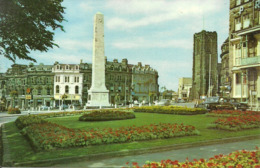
(7, 161)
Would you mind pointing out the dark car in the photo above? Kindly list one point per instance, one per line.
(220, 103)
(238, 106)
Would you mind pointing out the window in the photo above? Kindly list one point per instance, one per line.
(237, 24)
(246, 21)
(238, 2)
(57, 89)
(76, 89)
(76, 79)
(67, 67)
(246, 0)
(77, 67)
(67, 79)
(39, 91)
(66, 89)
(48, 91)
(237, 54)
(238, 78)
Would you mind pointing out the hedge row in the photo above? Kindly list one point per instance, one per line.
(14, 111)
(178, 110)
(50, 136)
(25, 121)
(230, 113)
(106, 115)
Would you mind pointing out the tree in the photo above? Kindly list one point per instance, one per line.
(14, 94)
(28, 25)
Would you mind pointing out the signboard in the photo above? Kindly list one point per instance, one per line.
(28, 97)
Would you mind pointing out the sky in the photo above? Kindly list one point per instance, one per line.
(155, 32)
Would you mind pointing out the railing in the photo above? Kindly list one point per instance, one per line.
(250, 60)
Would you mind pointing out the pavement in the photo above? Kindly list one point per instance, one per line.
(179, 154)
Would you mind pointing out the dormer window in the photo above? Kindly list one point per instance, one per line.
(67, 67)
(77, 67)
(58, 67)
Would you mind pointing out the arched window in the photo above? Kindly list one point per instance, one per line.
(57, 89)
(76, 89)
(66, 89)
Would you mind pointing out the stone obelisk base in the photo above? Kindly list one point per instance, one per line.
(97, 99)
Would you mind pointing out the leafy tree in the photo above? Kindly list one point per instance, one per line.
(28, 25)
(13, 94)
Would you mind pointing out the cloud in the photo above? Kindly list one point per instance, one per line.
(141, 43)
(150, 12)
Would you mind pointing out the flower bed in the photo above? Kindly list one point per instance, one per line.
(237, 123)
(14, 111)
(238, 159)
(48, 135)
(106, 115)
(171, 110)
(228, 113)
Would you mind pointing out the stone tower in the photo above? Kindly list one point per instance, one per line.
(98, 95)
(205, 60)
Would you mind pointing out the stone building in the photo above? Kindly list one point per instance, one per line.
(184, 88)
(144, 83)
(39, 85)
(33, 84)
(244, 50)
(68, 84)
(225, 79)
(205, 60)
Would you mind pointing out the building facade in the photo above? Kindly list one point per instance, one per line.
(244, 50)
(205, 60)
(225, 78)
(52, 85)
(68, 84)
(184, 88)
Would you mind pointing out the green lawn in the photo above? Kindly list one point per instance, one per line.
(21, 150)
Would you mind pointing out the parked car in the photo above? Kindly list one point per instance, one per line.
(163, 102)
(181, 101)
(45, 107)
(238, 106)
(220, 103)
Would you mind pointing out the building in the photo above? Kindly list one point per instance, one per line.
(144, 83)
(205, 60)
(52, 85)
(225, 78)
(244, 50)
(68, 84)
(184, 88)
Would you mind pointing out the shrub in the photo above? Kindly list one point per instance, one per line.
(14, 111)
(238, 159)
(24, 121)
(49, 136)
(237, 123)
(229, 113)
(106, 115)
(178, 110)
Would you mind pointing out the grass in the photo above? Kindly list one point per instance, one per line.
(21, 151)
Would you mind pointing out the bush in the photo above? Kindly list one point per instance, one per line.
(106, 115)
(14, 111)
(24, 121)
(230, 113)
(178, 110)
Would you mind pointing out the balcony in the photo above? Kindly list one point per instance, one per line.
(250, 61)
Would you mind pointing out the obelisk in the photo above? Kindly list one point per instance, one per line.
(98, 95)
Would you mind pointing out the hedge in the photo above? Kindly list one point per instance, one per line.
(178, 110)
(14, 111)
(106, 115)
(24, 121)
